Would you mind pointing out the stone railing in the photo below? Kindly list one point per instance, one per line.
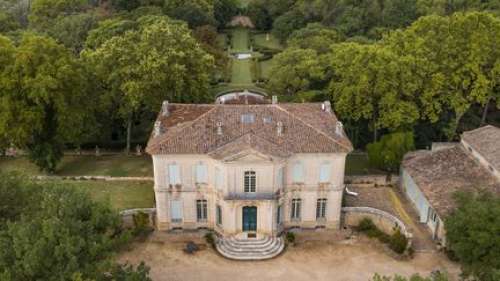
(383, 220)
(128, 216)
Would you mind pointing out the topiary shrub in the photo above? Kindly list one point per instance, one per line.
(209, 238)
(290, 237)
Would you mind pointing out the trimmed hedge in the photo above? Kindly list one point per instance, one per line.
(396, 242)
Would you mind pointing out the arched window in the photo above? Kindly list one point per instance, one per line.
(250, 181)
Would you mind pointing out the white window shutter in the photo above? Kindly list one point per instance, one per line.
(173, 174)
(176, 209)
(201, 173)
(324, 172)
(218, 178)
(298, 172)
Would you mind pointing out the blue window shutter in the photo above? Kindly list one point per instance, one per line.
(324, 172)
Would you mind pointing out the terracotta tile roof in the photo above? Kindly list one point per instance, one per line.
(486, 141)
(192, 129)
(439, 174)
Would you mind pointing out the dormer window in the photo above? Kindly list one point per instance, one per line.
(250, 181)
(247, 118)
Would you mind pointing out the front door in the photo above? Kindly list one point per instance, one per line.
(249, 218)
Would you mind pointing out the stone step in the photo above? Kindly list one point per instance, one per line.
(251, 249)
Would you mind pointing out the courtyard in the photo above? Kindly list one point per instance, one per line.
(354, 259)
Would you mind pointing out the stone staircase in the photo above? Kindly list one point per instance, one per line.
(263, 248)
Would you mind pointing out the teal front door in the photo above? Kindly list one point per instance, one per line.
(249, 218)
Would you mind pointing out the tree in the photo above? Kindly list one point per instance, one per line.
(72, 30)
(472, 234)
(315, 36)
(108, 29)
(224, 10)
(195, 12)
(259, 14)
(44, 101)
(7, 22)
(158, 61)
(59, 233)
(388, 153)
(44, 12)
(456, 59)
(295, 70)
(287, 23)
(372, 83)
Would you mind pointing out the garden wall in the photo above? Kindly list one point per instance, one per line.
(384, 221)
(371, 180)
(128, 216)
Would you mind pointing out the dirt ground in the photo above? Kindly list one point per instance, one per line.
(349, 260)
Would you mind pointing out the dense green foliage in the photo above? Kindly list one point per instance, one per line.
(388, 153)
(472, 235)
(44, 98)
(395, 241)
(51, 232)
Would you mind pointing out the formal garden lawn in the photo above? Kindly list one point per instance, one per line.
(240, 40)
(241, 74)
(108, 165)
(260, 39)
(120, 194)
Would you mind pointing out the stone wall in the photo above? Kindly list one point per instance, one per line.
(372, 180)
(128, 216)
(384, 221)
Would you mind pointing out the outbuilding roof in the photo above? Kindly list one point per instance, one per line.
(486, 141)
(275, 129)
(440, 174)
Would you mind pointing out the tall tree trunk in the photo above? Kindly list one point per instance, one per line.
(485, 112)
(129, 133)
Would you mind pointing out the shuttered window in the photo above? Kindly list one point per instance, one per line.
(250, 181)
(176, 210)
(298, 172)
(201, 173)
(280, 177)
(324, 172)
(321, 208)
(174, 176)
(201, 210)
(296, 206)
(219, 180)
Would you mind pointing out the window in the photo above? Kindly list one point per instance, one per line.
(174, 176)
(295, 214)
(298, 172)
(280, 177)
(321, 208)
(432, 214)
(324, 172)
(267, 119)
(249, 181)
(247, 118)
(278, 215)
(176, 211)
(219, 181)
(201, 210)
(201, 173)
(219, 215)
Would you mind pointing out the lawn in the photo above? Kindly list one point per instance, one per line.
(121, 194)
(112, 165)
(261, 40)
(265, 68)
(240, 40)
(241, 74)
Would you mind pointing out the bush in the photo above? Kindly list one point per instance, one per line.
(290, 237)
(398, 242)
(141, 224)
(209, 238)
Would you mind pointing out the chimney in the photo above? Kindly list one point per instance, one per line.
(326, 106)
(164, 109)
(279, 128)
(339, 128)
(157, 129)
(219, 128)
(275, 100)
